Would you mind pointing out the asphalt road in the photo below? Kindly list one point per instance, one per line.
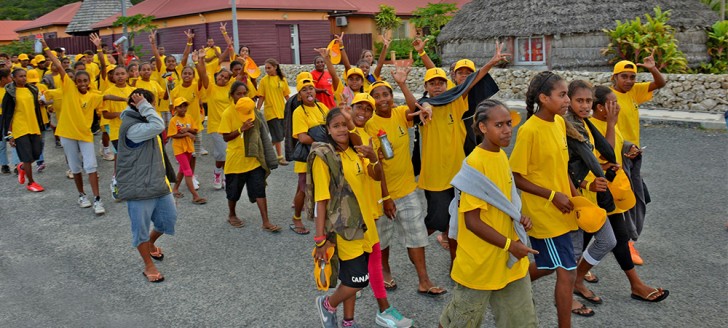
(61, 266)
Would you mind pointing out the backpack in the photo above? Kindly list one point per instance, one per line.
(289, 141)
(343, 214)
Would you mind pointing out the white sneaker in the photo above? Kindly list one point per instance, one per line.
(99, 208)
(84, 202)
(217, 183)
(195, 183)
(114, 190)
(204, 152)
(393, 319)
(69, 174)
(109, 156)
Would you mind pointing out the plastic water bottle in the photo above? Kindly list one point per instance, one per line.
(386, 146)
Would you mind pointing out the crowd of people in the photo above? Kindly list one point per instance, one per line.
(360, 180)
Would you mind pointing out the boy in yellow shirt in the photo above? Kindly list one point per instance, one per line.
(487, 238)
(240, 170)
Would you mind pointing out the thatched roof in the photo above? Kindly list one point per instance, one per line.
(94, 11)
(485, 19)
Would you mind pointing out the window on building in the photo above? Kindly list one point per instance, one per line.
(402, 32)
(530, 50)
(51, 35)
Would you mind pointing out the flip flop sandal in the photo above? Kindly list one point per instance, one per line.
(273, 229)
(299, 230)
(593, 300)
(443, 243)
(390, 285)
(430, 293)
(235, 222)
(664, 295)
(158, 277)
(582, 311)
(157, 254)
(591, 278)
(178, 195)
(199, 201)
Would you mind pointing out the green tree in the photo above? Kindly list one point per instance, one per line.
(429, 20)
(18, 47)
(386, 19)
(135, 24)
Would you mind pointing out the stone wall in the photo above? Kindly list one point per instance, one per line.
(684, 92)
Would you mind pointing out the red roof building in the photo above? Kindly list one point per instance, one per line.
(52, 24)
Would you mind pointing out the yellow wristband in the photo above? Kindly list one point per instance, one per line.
(422, 53)
(508, 244)
(375, 164)
(224, 33)
(341, 48)
(384, 198)
(551, 197)
(46, 49)
(189, 43)
(352, 130)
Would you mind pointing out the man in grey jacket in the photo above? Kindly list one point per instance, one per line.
(141, 179)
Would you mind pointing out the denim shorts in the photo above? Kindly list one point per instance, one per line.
(161, 211)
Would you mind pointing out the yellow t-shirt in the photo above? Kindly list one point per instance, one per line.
(57, 81)
(252, 90)
(274, 89)
(218, 100)
(116, 107)
(42, 89)
(176, 76)
(629, 113)
(398, 171)
(213, 66)
(24, 118)
(375, 187)
(541, 156)
(479, 264)
(618, 145)
(181, 145)
(158, 92)
(94, 71)
(192, 94)
(304, 118)
(57, 96)
(78, 110)
(2, 95)
(442, 146)
(235, 161)
(355, 173)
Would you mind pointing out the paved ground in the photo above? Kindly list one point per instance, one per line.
(60, 266)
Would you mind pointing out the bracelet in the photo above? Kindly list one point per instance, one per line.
(422, 53)
(385, 198)
(224, 33)
(374, 164)
(508, 244)
(321, 243)
(46, 49)
(551, 197)
(189, 43)
(341, 48)
(353, 130)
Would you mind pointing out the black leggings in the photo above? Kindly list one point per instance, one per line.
(621, 250)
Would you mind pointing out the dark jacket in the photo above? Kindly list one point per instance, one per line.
(582, 161)
(8, 105)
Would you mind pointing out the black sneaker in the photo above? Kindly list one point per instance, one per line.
(5, 169)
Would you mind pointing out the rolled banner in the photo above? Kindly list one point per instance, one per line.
(251, 68)
(334, 52)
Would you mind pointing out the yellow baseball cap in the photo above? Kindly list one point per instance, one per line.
(322, 271)
(110, 67)
(179, 101)
(39, 58)
(380, 84)
(434, 73)
(364, 97)
(304, 79)
(23, 57)
(32, 76)
(589, 217)
(621, 190)
(247, 107)
(77, 58)
(355, 71)
(33, 62)
(464, 63)
(515, 118)
(624, 66)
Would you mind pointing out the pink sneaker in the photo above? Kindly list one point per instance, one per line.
(35, 187)
(21, 174)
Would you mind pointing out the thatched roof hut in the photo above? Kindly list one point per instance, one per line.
(572, 24)
(91, 12)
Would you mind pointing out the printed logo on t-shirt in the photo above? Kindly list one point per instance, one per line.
(401, 131)
(83, 105)
(451, 120)
(566, 146)
(358, 168)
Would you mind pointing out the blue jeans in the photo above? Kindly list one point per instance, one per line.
(161, 211)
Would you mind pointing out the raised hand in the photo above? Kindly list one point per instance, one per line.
(190, 36)
(223, 27)
(499, 55)
(95, 39)
(400, 72)
(612, 108)
(323, 52)
(649, 62)
(339, 38)
(386, 41)
(419, 45)
(424, 112)
(195, 56)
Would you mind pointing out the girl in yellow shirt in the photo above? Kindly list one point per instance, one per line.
(360, 165)
(540, 168)
(274, 91)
